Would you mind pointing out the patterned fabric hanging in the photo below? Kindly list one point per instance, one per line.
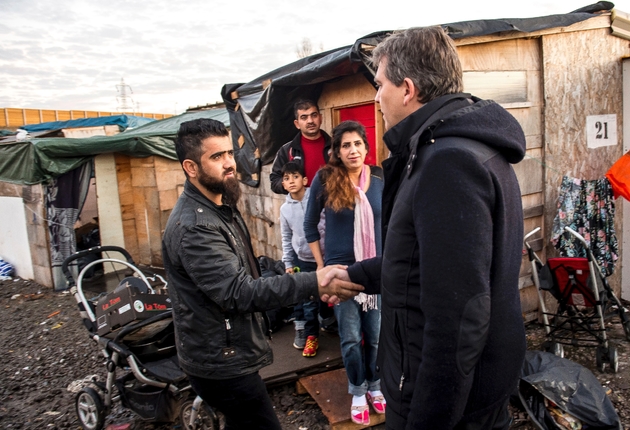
(587, 207)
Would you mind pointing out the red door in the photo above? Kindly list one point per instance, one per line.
(365, 115)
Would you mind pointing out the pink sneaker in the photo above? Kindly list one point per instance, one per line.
(378, 403)
(360, 415)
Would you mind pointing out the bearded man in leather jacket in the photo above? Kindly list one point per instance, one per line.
(217, 293)
(452, 335)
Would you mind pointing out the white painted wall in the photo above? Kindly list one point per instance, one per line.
(14, 244)
(108, 202)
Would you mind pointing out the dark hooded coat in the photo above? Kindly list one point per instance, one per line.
(452, 337)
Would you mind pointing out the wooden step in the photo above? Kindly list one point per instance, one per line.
(330, 391)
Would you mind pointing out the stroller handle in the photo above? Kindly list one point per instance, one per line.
(528, 235)
(94, 250)
(577, 235)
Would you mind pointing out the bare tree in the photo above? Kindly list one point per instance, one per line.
(305, 48)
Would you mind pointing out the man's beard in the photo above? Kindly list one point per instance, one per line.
(228, 188)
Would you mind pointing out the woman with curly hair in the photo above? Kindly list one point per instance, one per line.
(349, 192)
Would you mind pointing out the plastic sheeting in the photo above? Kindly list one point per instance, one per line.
(261, 111)
(39, 160)
(569, 385)
(122, 121)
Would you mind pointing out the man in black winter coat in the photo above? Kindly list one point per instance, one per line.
(309, 148)
(452, 335)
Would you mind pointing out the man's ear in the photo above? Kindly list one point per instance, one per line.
(410, 94)
(296, 123)
(190, 167)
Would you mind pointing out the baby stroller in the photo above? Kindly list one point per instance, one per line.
(133, 328)
(585, 302)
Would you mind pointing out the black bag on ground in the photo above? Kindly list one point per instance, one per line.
(571, 386)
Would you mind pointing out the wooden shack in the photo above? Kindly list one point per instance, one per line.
(554, 81)
(136, 182)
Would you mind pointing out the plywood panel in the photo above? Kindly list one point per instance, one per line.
(520, 54)
(583, 76)
(353, 89)
(500, 86)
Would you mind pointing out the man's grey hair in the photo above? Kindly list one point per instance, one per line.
(427, 56)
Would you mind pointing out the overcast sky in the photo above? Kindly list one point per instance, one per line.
(71, 54)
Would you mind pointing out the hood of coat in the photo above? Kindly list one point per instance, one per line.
(487, 122)
(460, 115)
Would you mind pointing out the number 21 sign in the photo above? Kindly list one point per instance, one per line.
(601, 130)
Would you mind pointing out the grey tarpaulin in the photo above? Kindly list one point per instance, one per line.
(261, 111)
(569, 385)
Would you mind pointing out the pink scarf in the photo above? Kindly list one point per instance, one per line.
(364, 242)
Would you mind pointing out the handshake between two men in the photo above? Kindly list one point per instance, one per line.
(335, 285)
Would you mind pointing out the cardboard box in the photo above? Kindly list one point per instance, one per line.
(127, 304)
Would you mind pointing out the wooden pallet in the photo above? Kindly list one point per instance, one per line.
(330, 391)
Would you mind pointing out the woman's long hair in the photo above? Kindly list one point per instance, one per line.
(338, 187)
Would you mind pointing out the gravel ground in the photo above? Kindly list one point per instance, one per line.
(45, 348)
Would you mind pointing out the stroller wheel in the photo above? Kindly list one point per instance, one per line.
(206, 418)
(90, 409)
(600, 353)
(614, 359)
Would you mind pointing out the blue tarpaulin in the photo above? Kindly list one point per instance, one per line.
(122, 121)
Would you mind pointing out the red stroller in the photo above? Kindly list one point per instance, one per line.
(585, 302)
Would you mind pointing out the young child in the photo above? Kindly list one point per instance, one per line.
(297, 254)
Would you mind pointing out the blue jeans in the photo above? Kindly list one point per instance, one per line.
(308, 310)
(358, 334)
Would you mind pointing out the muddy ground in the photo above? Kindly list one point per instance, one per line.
(45, 348)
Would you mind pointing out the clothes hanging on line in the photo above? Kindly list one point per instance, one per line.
(588, 207)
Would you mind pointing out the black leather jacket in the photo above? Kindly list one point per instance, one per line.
(217, 303)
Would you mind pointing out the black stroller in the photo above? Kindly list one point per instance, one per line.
(585, 302)
(133, 328)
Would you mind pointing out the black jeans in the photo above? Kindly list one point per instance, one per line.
(243, 401)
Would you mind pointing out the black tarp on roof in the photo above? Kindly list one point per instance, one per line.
(261, 113)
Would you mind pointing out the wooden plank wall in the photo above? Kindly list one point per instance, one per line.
(509, 72)
(17, 117)
(148, 189)
(586, 82)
